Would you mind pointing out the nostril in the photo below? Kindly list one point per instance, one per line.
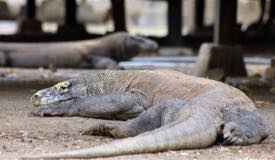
(35, 97)
(35, 100)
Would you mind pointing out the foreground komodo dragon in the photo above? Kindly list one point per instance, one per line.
(163, 109)
(100, 53)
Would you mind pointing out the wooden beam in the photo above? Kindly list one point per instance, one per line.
(118, 11)
(70, 12)
(225, 22)
(174, 22)
(30, 9)
(199, 13)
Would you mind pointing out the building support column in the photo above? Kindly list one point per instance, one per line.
(222, 57)
(197, 27)
(199, 14)
(28, 24)
(175, 22)
(118, 12)
(70, 24)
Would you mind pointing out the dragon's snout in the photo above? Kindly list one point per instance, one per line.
(149, 46)
(53, 95)
(35, 99)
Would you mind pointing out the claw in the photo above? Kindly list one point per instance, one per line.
(238, 141)
(227, 141)
(84, 133)
(226, 135)
(233, 140)
(40, 112)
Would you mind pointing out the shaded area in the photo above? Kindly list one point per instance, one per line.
(23, 135)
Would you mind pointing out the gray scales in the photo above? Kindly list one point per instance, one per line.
(153, 111)
(100, 53)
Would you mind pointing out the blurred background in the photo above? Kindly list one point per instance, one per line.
(142, 16)
(193, 20)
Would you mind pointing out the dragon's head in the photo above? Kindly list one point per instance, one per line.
(141, 45)
(126, 46)
(63, 91)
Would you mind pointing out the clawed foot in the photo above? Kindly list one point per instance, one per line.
(234, 134)
(44, 111)
(102, 129)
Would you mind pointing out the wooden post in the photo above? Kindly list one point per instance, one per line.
(199, 13)
(225, 22)
(175, 22)
(27, 23)
(70, 12)
(70, 24)
(118, 11)
(271, 13)
(30, 9)
(222, 58)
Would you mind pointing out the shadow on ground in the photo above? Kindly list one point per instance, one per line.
(20, 135)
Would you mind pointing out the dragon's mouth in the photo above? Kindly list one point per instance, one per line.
(52, 103)
(62, 101)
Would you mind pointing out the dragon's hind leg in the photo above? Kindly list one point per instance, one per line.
(242, 127)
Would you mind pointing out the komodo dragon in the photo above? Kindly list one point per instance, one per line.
(163, 109)
(100, 53)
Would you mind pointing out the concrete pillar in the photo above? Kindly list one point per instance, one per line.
(271, 17)
(175, 22)
(199, 13)
(28, 24)
(197, 27)
(222, 57)
(70, 24)
(118, 11)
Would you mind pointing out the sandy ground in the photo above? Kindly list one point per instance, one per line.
(20, 135)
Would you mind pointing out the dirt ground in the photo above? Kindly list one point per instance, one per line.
(21, 135)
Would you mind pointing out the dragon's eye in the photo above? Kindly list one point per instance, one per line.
(63, 86)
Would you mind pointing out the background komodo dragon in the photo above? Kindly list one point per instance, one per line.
(100, 53)
(163, 109)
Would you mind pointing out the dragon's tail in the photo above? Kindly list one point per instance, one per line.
(198, 131)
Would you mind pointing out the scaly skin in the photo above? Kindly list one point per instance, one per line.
(164, 109)
(101, 53)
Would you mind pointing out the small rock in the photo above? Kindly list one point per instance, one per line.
(3, 135)
(41, 69)
(184, 154)
(52, 68)
(40, 138)
(224, 149)
(26, 140)
(23, 133)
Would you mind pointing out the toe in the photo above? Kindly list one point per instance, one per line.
(87, 132)
(228, 139)
(234, 140)
(239, 141)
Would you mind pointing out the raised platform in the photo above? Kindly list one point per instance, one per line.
(23, 76)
